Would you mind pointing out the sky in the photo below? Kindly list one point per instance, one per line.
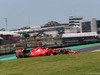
(21, 13)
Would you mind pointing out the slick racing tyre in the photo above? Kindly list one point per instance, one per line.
(21, 55)
(62, 51)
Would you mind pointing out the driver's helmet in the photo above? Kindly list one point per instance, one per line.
(47, 48)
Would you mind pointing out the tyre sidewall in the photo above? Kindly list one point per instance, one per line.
(62, 51)
(21, 55)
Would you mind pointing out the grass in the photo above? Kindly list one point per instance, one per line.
(4, 50)
(7, 50)
(72, 64)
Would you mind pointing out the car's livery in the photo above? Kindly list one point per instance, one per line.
(41, 51)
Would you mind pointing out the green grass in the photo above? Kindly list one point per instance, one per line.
(4, 50)
(71, 64)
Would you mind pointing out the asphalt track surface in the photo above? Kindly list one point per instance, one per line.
(82, 49)
(88, 49)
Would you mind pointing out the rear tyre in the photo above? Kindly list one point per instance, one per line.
(21, 55)
(62, 51)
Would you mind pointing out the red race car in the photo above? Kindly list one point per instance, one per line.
(41, 51)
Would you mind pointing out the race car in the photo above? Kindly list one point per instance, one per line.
(41, 51)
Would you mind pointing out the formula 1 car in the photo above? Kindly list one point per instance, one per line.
(41, 51)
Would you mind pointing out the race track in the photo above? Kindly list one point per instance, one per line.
(81, 49)
(88, 49)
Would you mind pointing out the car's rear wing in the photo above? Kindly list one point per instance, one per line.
(18, 51)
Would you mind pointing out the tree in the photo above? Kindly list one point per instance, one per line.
(52, 23)
(34, 36)
(26, 35)
(3, 29)
(25, 28)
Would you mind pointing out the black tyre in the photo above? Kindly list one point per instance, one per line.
(62, 51)
(21, 55)
(55, 53)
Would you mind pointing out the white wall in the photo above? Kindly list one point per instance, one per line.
(79, 34)
(93, 24)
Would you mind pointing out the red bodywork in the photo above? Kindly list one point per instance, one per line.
(41, 51)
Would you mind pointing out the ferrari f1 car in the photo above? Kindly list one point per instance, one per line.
(41, 51)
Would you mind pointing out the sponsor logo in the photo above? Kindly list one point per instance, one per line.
(38, 50)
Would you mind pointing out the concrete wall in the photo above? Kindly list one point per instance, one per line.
(93, 24)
